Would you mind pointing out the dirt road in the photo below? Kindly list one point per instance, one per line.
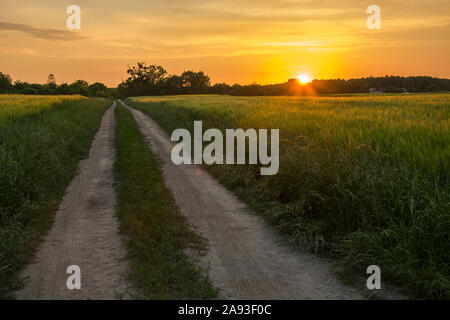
(84, 233)
(246, 260)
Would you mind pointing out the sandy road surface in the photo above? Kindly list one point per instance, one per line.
(245, 258)
(84, 233)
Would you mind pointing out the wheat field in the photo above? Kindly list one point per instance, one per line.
(364, 178)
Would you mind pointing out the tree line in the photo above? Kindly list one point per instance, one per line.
(144, 80)
(386, 84)
(97, 89)
(154, 80)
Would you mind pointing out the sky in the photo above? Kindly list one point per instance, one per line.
(233, 41)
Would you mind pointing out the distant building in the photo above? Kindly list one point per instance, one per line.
(375, 90)
(388, 89)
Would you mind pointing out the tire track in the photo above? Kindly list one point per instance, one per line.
(84, 233)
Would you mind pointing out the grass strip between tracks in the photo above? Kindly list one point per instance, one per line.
(157, 234)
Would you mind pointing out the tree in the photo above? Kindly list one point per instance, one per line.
(392, 89)
(173, 85)
(79, 87)
(146, 74)
(64, 88)
(220, 88)
(98, 90)
(5, 83)
(51, 80)
(51, 86)
(408, 83)
(195, 82)
(30, 90)
(356, 85)
(19, 86)
(143, 80)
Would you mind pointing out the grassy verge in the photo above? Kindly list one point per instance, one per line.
(157, 233)
(363, 179)
(39, 155)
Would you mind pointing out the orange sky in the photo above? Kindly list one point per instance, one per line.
(232, 41)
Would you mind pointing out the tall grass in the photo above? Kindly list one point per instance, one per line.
(363, 178)
(39, 154)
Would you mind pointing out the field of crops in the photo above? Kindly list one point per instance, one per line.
(42, 139)
(17, 105)
(362, 178)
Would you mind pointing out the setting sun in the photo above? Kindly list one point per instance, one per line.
(304, 78)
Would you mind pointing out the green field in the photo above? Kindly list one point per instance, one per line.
(42, 139)
(362, 178)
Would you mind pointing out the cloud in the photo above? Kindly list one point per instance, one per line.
(47, 34)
